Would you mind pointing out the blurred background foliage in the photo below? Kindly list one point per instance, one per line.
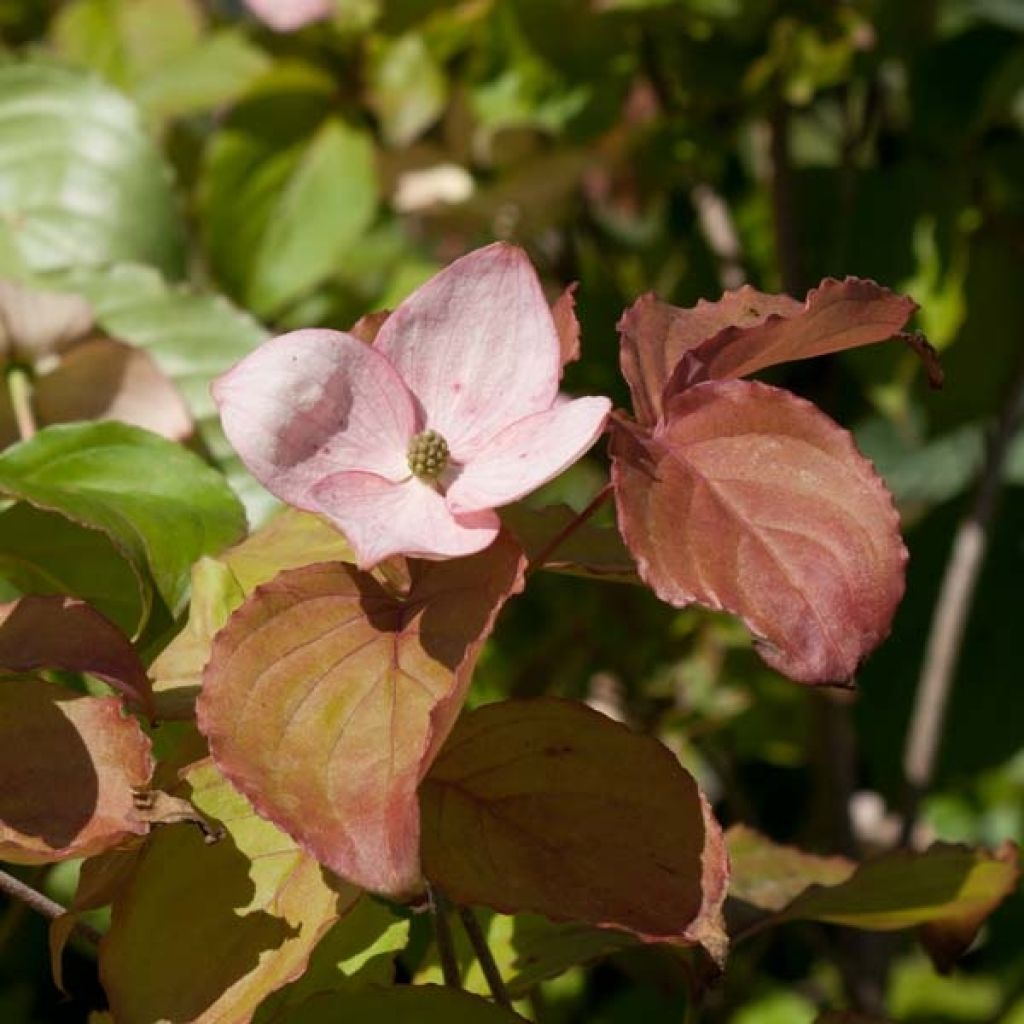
(204, 180)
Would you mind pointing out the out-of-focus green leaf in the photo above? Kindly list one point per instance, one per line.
(81, 182)
(193, 338)
(158, 52)
(287, 188)
(256, 907)
(408, 88)
(161, 506)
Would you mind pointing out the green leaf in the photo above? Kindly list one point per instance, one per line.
(161, 506)
(193, 338)
(43, 553)
(287, 188)
(82, 182)
(405, 1004)
(358, 951)
(408, 89)
(256, 907)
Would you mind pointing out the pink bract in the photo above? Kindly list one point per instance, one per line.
(324, 420)
(289, 15)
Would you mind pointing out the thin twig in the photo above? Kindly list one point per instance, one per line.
(952, 612)
(35, 900)
(19, 387)
(443, 937)
(538, 560)
(478, 941)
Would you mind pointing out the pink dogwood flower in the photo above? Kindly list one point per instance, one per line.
(409, 444)
(289, 15)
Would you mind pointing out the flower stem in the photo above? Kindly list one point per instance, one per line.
(443, 937)
(538, 560)
(19, 387)
(478, 941)
(41, 904)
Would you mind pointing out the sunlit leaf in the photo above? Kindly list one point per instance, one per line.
(63, 633)
(666, 348)
(82, 182)
(407, 88)
(219, 585)
(328, 693)
(287, 188)
(69, 765)
(160, 505)
(548, 806)
(358, 951)
(192, 337)
(750, 500)
(256, 907)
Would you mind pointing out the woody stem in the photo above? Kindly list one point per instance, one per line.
(538, 560)
(439, 911)
(17, 889)
(478, 941)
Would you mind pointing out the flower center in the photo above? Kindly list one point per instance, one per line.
(428, 454)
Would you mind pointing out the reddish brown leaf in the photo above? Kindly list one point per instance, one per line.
(548, 806)
(666, 349)
(367, 326)
(56, 632)
(328, 693)
(70, 766)
(751, 500)
(567, 326)
(708, 930)
(655, 336)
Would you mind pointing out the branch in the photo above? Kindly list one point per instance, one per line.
(952, 612)
(478, 941)
(538, 560)
(51, 909)
(443, 937)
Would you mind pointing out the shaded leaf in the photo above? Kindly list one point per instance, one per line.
(358, 951)
(404, 1004)
(948, 889)
(63, 633)
(82, 182)
(591, 551)
(568, 327)
(44, 553)
(257, 906)
(770, 876)
(751, 500)
(666, 349)
(548, 806)
(160, 505)
(328, 693)
(69, 765)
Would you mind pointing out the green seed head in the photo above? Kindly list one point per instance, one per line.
(428, 454)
